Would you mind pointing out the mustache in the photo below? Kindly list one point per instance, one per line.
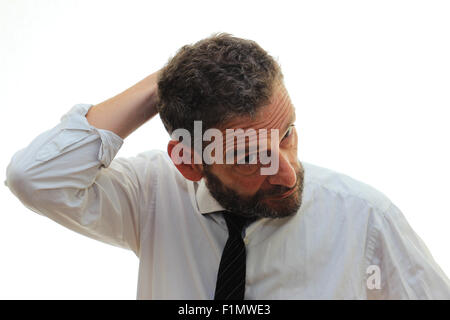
(278, 190)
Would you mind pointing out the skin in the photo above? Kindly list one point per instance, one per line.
(240, 184)
(243, 179)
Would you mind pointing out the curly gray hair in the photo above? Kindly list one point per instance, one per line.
(214, 80)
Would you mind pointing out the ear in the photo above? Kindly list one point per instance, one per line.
(190, 171)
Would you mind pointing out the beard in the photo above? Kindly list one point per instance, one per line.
(259, 205)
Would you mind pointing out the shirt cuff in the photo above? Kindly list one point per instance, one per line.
(75, 119)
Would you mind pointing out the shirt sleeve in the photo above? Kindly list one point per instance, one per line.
(68, 174)
(401, 261)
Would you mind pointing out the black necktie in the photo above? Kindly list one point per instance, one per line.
(230, 283)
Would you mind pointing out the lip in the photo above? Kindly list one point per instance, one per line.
(284, 195)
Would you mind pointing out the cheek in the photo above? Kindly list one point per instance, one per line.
(291, 145)
(290, 152)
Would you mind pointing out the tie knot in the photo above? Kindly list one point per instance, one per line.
(236, 223)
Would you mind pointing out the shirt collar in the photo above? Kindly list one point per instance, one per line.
(205, 201)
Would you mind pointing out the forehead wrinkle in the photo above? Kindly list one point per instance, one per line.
(271, 117)
(279, 107)
(277, 121)
(273, 122)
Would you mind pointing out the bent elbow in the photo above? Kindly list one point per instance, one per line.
(18, 182)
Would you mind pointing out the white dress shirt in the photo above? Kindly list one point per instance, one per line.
(344, 237)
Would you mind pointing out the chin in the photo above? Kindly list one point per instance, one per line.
(282, 207)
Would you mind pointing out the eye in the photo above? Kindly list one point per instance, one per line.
(288, 132)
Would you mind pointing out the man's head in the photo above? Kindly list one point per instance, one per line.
(231, 83)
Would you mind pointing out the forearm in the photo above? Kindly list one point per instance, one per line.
(68, 174)
(127, 111)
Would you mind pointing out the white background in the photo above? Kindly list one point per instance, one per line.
(369, 79)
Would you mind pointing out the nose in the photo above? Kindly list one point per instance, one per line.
(286, 175)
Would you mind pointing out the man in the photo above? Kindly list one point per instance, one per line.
(254, 223)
